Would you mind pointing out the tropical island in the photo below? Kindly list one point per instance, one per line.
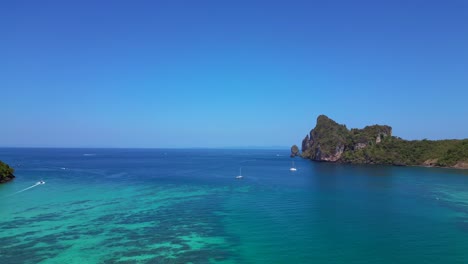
(6, 172)
(333, 142)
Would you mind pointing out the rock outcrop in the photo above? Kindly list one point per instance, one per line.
(329, 140)
(333, 142)
(294, 151)
(6, 173)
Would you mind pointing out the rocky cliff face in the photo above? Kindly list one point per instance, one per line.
(329, 140)
(333, 142)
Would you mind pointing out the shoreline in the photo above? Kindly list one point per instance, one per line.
(7, 179)
(383, 164)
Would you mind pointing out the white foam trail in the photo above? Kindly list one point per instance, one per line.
(26, 189)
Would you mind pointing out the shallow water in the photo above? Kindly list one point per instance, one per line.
(180, 206)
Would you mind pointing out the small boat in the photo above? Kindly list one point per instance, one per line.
(293, 168)
(41, 182)
(240, 174)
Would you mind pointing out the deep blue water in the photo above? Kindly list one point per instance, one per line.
(180, 206)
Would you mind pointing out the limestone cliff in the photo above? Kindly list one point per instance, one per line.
(329, 140)
(326, 142)
(333, 142)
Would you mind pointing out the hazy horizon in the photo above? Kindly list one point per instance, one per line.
(210, 74)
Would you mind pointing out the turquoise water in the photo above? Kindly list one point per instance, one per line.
(182, 206)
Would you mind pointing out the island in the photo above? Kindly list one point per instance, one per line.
(6, 172)
(333, 142)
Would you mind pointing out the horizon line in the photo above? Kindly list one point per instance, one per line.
(225, 147)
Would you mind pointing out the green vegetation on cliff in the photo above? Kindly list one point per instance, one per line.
(330, 141)
(396, 151)
(6, 172)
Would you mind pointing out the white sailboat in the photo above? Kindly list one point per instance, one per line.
(240, 174)
(293, 168)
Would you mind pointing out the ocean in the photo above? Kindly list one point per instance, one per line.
(186, 206)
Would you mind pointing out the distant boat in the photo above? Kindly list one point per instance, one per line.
(240, 174)
(293, 168)
(41, 182)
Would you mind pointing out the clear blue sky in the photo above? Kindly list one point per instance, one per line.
(228, 73)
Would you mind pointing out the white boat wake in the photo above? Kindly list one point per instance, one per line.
(30, 187)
